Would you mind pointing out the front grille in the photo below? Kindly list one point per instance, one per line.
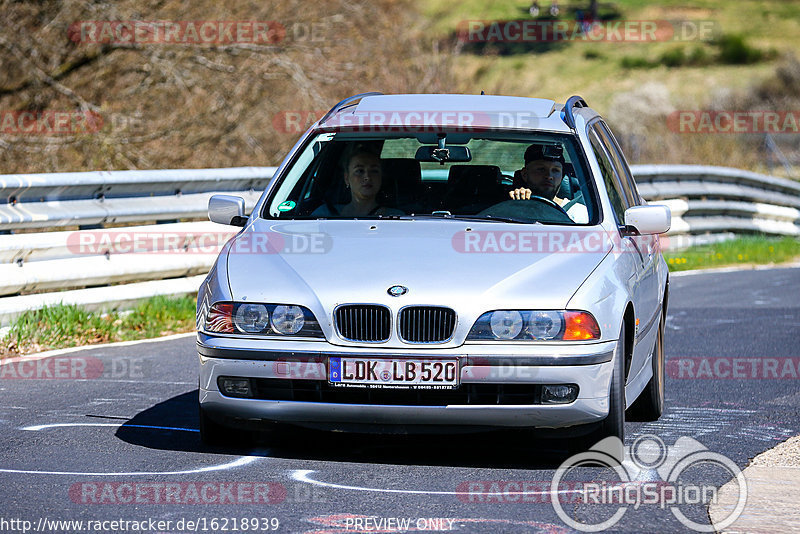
(426, 324)
(466, 394)
(364, 322)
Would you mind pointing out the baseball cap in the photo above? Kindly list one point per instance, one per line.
(546, 152)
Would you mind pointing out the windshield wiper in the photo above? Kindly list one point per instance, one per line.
(495, 218)
(488, 218)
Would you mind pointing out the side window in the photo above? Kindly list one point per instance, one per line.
(615, 193)
(618, 159)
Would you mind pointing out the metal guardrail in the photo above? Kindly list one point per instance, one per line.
(77, 258)
(708, 204)
(105, 197)
(715, 203)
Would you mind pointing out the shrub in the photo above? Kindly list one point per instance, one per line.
(734, 50)
(674, 57)
(634, 62)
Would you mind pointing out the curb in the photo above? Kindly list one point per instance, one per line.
(737, 268)
(772, 489)
(58, 352)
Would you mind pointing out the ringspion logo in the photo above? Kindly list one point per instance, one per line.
(672, 483)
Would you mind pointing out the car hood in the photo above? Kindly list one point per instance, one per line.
(324, 263)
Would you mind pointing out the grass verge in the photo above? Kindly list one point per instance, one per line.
(745, 250)
(64, 326)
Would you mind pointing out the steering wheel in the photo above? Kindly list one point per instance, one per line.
(549, 202)
(529, 208)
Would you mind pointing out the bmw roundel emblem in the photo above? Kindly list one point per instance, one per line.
(397, 291)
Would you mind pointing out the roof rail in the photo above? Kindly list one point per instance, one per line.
(347, 101)
(573, 102)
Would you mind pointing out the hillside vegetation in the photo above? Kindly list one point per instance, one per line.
(168, 105)
(746, 63)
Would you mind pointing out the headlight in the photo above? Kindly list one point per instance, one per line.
(288, 320)
(535, 325)
(544, 324)
(251, 318)
(505, 324)
(261, 319)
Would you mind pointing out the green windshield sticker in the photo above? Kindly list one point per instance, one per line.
(287, 205)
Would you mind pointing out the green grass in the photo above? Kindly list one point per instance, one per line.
(745, 250)
(69, 325)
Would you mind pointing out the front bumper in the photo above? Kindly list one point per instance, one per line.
(587, 365)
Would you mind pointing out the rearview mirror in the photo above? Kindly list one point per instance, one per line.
(445, 154)
(227, 209)
(649, 219)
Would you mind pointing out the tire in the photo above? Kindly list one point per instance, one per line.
(217, 435)
(614, 424)
(650, 404)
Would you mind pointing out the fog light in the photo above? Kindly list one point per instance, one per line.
(559, 394)
(235, 387)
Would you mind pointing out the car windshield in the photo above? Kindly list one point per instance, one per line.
(485, 176)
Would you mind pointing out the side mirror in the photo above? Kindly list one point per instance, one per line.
(649, 219)
(227, 209)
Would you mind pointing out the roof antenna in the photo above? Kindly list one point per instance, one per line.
(482, 92)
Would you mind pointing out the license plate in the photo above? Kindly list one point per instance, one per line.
(379, 373)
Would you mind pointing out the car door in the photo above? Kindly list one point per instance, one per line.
(632, 260)
(647, 244)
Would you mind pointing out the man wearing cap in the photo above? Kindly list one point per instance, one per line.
(541, 176)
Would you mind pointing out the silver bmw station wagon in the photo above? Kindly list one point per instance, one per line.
(419, 261)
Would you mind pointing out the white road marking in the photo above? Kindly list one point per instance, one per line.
(302, 475)
(57, 425)
(239, 462)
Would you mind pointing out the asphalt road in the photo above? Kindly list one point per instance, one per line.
(110, 434)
